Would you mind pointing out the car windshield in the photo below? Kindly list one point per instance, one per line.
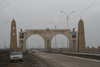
(16, 53)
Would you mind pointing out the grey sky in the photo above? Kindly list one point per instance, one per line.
(37, 14)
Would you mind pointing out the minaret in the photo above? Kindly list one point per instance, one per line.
(13, 40)
(81, 35)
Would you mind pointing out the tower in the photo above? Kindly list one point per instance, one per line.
(81, 35)
(13, 40)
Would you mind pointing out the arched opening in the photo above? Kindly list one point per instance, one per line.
(59, 41)
(35, 41)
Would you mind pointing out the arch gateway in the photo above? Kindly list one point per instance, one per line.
(47, 35)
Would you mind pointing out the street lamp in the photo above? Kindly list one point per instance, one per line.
(67, 18)
(55, 33)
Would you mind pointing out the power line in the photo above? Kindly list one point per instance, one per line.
(84, 10)
(80, 13)
(62, 25)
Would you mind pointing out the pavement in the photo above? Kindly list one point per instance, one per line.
(59, 60)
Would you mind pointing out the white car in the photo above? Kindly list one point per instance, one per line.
(16, 56)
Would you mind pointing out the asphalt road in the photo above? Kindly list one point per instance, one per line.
(58, 60)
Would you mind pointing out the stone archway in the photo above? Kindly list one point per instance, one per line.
(47, 35)
(72, 41)
(59, 41)
(35, 41)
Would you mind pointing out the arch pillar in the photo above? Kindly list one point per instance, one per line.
(47, 45)
(22, 41)
(73, 41)
(47, 41)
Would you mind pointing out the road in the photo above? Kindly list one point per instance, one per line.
(58, 60)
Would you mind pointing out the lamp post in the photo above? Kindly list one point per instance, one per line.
(67, 18)
(55, 33)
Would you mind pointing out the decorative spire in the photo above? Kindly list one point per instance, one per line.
(13, 20)
(80, 21)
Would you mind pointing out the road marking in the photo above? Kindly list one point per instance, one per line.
(79, 57)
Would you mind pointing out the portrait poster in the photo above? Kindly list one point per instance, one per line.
(21, 35)
(73, 35)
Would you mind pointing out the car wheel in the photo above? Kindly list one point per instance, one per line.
(11, 61)
(21, 60)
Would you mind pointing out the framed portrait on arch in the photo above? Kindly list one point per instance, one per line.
(21, 35)
(73, 35)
